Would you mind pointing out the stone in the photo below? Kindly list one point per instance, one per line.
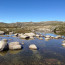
(20, 34)
(10, 33)
(52, 36)
(2, 32)
(29, 34)
(24, 37)
(16, 34)
(14, 43)
(59, 36)
(14, 46)
(37, 35)
(31, 37)
(3, 45)
(33, 47)
(48, 36)
(63, 44)
(47, 39)
(41, 38)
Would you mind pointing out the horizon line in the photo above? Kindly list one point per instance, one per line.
(29, 21)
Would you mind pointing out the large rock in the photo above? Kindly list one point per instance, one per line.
(29, 34)
(24, 37)
(33, 46)
(14, 46)
(3, 45)
(14, 43)
(2, 32)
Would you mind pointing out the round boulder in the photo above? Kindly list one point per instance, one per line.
(33, 46)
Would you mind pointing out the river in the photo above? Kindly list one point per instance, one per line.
(49, 52)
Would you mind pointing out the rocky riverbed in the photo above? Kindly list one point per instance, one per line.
(33, 49)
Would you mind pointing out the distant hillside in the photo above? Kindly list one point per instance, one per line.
(21, 24)
(56, 26)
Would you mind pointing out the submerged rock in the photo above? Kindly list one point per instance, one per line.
(5, 40)
(52, 61)
(33, 46)
(14, 45)
(3, 53)
(63, 41)
(22, 42)
(14, 51)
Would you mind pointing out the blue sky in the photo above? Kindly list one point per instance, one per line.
(32, 10)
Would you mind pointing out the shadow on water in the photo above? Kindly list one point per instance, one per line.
(49, 52)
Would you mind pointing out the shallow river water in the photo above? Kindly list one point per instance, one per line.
(49, 52)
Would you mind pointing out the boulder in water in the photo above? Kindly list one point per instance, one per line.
(14, 45)
(33, 46)
(3, 45)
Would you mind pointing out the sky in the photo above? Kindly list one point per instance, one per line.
(32, 10)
